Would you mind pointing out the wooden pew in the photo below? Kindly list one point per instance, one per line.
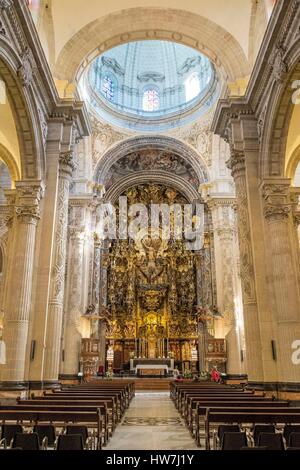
(109, 403)
(192, 400)
(120, 406)
(45, 406)
(57, 418)
(239, 406)
(289, 416)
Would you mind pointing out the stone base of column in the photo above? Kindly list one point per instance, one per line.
(242, 377)
(275, 386)
(68, 377)
(32, 385)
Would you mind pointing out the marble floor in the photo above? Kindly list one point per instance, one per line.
(151, 423)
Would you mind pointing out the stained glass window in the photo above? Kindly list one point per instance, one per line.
(192, 87)
(150, 100)
(108, 88)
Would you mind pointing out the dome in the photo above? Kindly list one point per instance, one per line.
(143, 84)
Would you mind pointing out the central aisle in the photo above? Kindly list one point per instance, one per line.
(152, 423)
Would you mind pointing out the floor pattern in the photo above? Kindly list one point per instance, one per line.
(162, 427)
(151, 422)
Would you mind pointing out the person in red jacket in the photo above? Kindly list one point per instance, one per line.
(100, 372)
(215, 375)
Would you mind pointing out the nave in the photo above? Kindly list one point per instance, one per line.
(152, 423)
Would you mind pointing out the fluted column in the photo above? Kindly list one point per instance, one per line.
(251, 318)
(96, 273)
(18, 285)
(228, 326)
(74, 303)
(103, 302)
(285, 288)
(55, 305)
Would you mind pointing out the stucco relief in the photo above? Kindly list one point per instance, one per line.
(199, 137)
(151, 159)
(103, 137)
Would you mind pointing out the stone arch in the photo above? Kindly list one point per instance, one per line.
(24, 109)
(135, 144)
(159, 177)
(278, 114)
(174, 25)
(9, 160)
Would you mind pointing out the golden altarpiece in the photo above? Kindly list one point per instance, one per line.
(154, 290)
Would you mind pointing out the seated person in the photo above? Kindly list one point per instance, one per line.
(215, 375)
(179, 378)
(100, 372)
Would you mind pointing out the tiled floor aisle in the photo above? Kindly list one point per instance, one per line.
(151, 423)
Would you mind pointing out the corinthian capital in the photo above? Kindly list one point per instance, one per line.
(28, 214)
(28, 197)
(236, 163)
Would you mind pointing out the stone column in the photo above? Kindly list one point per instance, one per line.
(223, 216)
(17, 298)
(254, 367)
(74, 304)
(103, 302)
(285, 287)
(56, 297)
(96, 273)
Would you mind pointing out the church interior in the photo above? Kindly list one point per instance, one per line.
(149, 224)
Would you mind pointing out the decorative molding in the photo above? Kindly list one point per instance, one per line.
(27, 69)
(4, 4)
(189, 64)
(44, 125)
(113, 64)
(276, 212)
(2, 29)
(151, 76)
(278, 64)
(277, 203)
(66, 163)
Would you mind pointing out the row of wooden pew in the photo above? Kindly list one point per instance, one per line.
(93, 409)
(205, 405)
